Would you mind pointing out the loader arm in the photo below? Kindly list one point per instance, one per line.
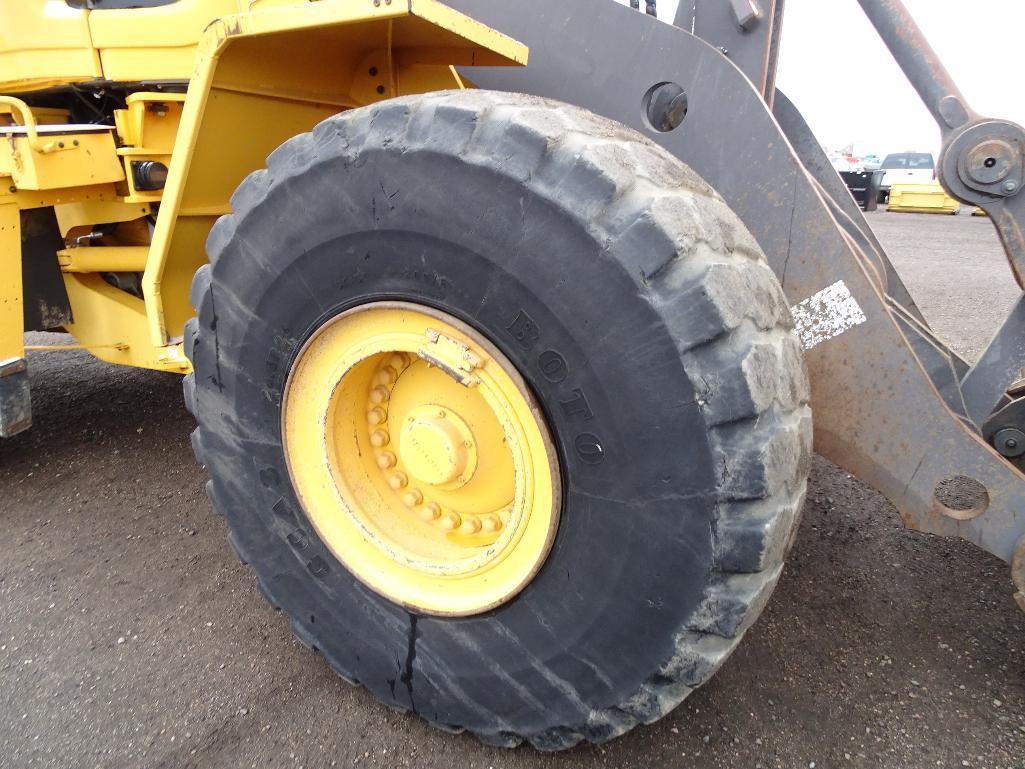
(892, 403)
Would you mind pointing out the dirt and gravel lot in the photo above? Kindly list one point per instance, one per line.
(131, 637)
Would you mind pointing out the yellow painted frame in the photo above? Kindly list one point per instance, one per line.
(258, 78)
(44, 50)
(263, 75)
(12, 202)
(12, 331)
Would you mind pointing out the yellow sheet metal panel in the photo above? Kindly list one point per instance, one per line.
(326, 51)
(219, 163)
(921, 199)
(190, 255)
(12, 327)
(91, 212)
(25, 199)
(151, 44)
(111, 324)
(44, 43)
(149, 124)
(483, 46)
(63, 156)
(274, 73)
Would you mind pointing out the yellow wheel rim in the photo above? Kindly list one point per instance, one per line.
(421, 458)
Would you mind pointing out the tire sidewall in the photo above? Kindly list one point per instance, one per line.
(633, 552)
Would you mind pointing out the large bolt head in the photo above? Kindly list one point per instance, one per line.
(436, 446)
(991, 161)
(1010, 442)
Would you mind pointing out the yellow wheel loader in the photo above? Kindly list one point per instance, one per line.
(503, 323)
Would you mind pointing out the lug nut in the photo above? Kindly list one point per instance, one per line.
(399, 361)
(430, 512)
(386, 376)
(412, 498)
(450, 521)
(398, 481)
(491, 524)
(470, 526)
(380, 394)
(379, 438)
(377, 416)
(386, 460)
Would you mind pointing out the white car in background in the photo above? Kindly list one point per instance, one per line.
(906, 168)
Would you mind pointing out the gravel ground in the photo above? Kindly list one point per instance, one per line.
(130, 636)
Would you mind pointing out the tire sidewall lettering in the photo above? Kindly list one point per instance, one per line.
(553, 368)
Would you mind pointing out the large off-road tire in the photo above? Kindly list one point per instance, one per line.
(678, 406)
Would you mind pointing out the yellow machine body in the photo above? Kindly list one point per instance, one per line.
(235, 78)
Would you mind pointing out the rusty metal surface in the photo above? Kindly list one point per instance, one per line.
(816, 163)
(15, 399)
(998, 368)
(982, 163)
(877, 411)
(746, 31)
(919, 61)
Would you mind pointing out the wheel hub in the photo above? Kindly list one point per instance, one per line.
(420, 457)
(438, 447)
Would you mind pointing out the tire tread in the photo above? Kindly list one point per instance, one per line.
(697, 263)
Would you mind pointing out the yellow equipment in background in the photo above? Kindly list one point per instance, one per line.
(921, 199)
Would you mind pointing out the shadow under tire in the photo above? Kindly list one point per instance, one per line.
(646, 322)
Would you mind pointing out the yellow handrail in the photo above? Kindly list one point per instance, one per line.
(28, 120)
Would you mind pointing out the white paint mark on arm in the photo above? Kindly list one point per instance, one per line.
(827, 314)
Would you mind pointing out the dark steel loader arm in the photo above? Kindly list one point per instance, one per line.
(878, 410)
(982, 163)
(748, 31)
(983, 160)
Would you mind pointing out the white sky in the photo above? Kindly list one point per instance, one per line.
(840, 75)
